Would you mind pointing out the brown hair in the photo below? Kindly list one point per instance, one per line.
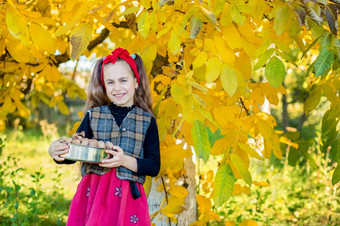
(96, 95)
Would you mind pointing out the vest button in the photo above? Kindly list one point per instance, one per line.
(124, 129)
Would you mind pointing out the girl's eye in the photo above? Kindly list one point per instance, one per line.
(124, 80)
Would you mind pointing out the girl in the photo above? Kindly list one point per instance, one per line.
(118, 110)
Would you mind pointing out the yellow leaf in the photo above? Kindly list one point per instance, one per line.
(229, 223)
(241, 169)
(200, 59)
(80, 37)
(63, 108)
(312, 101)
(226, 54)
(221, 146)
(178, 92)
(265, 130)
(243, 64)
(209, 46)
(23, 111)
(148, 56)
(285, 140)
(63, 29)
(16, 25)
(276, 146)
(204, 204)
(174, 206)
(16, 49)
(270, 93)
(42, 38)
(51, 73)
(74, 128)
(43, 20)
(238, 190)
(2, 125)
(147, 185)
(213, 69)
(178, 191)
(261, 183)
(232, 37)
(174, 43)
(211, 216)
(250, 151)
(229, 79)
(282, 19)
(143, 24)
(257, 94)
(248, 223)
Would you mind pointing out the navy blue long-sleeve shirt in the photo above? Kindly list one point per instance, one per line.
(150, 164)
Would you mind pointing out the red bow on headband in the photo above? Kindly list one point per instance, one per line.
(124, 54)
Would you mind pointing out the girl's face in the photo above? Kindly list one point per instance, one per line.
(120, 83)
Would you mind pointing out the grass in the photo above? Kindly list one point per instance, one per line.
(34, 190)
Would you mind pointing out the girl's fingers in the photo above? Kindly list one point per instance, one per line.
(62, 152)
(59, 159)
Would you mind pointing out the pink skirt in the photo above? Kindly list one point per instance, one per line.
(106, 200)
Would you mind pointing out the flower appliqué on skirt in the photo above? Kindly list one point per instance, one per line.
(88, 192)
(118, 192)
(134, 219)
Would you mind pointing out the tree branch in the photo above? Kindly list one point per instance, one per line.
(62, 58)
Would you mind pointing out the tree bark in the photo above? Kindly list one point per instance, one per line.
(155, 198)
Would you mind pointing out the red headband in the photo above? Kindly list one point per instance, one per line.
(121, 53)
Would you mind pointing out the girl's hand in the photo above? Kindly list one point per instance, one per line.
(116, 158)
(56, 149)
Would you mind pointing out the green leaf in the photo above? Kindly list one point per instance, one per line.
(312, 101)
(236, 14)
(209, 16)
(336, 175)
(229, 79)
(293, 156)
(326, 40)
(143, 24)
(309, 47)
(213, 137)
(196, 25)
(174, 43)
(275, 72)
(282, 19)
(219, 7)
(200, 139)
(335, 150)
(192, 11)
(313, 15)
(223, 185)
(331, 15)
(263, 59)
(241, 168)
(292, 135)
(323, 62)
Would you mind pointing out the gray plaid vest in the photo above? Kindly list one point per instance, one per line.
(129, 136)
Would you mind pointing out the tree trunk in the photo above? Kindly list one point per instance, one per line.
(285, 116)
(155, 198)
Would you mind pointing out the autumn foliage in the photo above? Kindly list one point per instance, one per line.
(201, 57)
